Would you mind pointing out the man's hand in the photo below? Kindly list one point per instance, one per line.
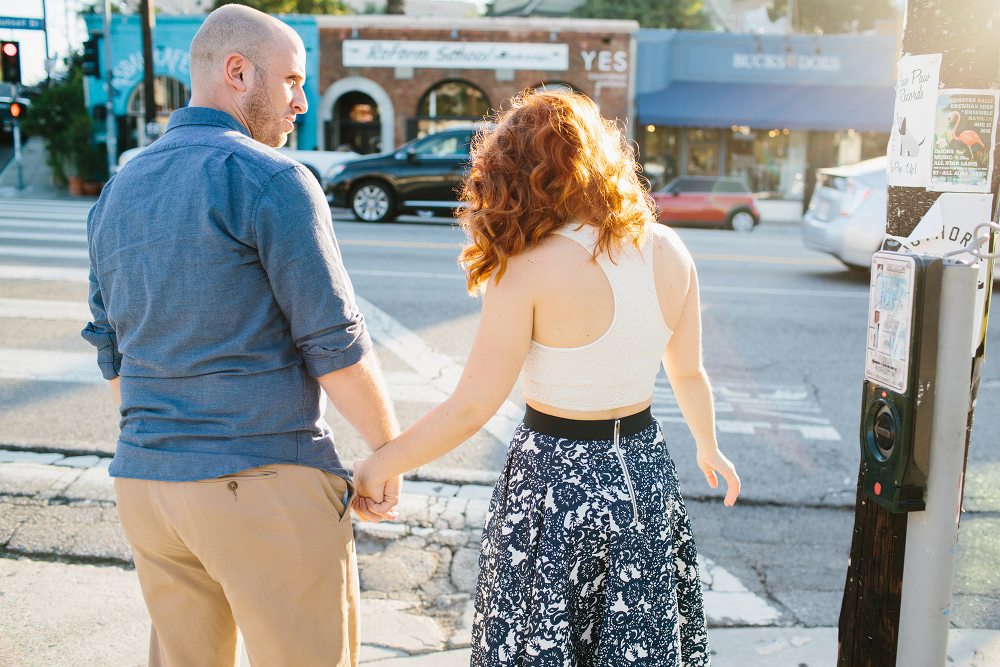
(375, 498)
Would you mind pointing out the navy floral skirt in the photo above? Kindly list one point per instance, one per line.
(587, 564)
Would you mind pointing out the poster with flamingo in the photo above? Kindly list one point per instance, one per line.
(965, 126)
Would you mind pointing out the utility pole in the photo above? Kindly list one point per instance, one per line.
(111, 139)
(871, 632)
(149, 73)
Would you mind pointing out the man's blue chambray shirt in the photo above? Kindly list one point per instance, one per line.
(218, 295)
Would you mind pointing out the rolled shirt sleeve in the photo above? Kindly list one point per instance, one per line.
(99, 332)
(299, 253)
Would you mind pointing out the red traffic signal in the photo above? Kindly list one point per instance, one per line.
(16, 110)
(10, 62)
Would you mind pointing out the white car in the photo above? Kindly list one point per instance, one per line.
(846, 215)
(317, 162)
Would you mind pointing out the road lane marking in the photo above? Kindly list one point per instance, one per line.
(43, 224)
(439, 369)
(42, 251)
(52, 273)
(36, 236)
(43, 309)
(784, 408)
(768, 260)
(405, 274)
(777, 291)
(49, 366)
(399, 244)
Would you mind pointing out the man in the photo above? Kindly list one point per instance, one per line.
(221, 308)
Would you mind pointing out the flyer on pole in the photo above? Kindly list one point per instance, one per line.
(912, 139)
(965, 125)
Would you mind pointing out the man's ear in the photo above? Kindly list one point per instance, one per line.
(237, 70)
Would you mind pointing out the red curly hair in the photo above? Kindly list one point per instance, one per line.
(551, 159)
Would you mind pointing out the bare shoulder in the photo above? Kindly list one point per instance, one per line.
(668, 247)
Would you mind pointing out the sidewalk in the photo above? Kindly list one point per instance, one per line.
(70, 596)
(36, 177)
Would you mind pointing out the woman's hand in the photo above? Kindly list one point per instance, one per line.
(713, 461)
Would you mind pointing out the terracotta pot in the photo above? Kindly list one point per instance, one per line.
(75, 185)
(91, 189)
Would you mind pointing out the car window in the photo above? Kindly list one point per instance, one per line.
(695, 185)
(443, 145)
(729, 185)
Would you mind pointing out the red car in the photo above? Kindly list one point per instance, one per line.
(710, 201)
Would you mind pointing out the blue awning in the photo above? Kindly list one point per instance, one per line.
(822, 108)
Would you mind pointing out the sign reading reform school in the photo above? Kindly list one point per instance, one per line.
(455, 55)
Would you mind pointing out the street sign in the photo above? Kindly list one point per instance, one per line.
(18, 23)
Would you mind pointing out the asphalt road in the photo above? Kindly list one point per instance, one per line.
(784, 338)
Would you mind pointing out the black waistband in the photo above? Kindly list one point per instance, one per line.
(586, 429)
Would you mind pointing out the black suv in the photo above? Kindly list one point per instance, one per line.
(423, 175)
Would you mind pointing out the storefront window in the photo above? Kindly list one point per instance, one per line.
(450, 104)
(659, 154)
(170, 95)
(759, 158)
(356, 125)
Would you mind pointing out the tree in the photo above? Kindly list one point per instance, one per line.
(834, 16)
(291, 6)
(679, 14)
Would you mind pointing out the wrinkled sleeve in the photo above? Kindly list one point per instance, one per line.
(297, 247)
(99, 332)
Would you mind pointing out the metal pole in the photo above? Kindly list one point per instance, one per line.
(112, 134)
(932, 535)
(45, 30)
(149, 73)
(17, 152)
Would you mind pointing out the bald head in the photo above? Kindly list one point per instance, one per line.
(235, 29)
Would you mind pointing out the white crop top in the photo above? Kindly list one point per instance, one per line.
(620, 367)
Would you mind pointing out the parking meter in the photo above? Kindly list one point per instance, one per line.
(899, 378)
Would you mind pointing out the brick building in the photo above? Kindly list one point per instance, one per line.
(385, 80)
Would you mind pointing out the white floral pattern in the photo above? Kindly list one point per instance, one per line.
(570, 577)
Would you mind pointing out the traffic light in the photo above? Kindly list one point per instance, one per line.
(16, 110)
(91, 58)
(10, 62)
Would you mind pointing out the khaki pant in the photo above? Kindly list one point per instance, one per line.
(269, 550)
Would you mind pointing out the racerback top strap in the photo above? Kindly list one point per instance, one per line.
(619, 368)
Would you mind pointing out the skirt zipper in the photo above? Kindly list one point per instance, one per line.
(628, 478)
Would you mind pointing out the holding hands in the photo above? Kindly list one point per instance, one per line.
(374, 499)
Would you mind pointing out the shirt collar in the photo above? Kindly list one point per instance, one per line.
(204, 116)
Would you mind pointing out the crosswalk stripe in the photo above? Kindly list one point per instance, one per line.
(42, 224)
(38, 251)
(36, 236)
(42, 309)
(49, 366)
(53, 273)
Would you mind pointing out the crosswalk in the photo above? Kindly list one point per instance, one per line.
(43, 240)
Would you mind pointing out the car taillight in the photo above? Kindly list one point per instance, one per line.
(853, 198)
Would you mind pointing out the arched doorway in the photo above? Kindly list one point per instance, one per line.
(449, 104)
(355, 124)
(170, 95)
(356, 84)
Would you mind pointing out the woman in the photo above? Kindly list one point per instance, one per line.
(587, 554)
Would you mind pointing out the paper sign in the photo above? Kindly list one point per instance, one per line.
(965, 124)
(912, 138)
(890, 320)
(950, 224)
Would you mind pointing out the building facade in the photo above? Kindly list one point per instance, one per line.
(171, 58)
(389, 79)
(766, 108)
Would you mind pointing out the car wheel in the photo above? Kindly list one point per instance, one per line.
(373, 202)
(741, 221)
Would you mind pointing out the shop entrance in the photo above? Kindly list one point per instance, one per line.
(356, 124)
(170, 95)
(446, 105)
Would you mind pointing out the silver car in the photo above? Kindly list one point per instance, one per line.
(846, 215)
